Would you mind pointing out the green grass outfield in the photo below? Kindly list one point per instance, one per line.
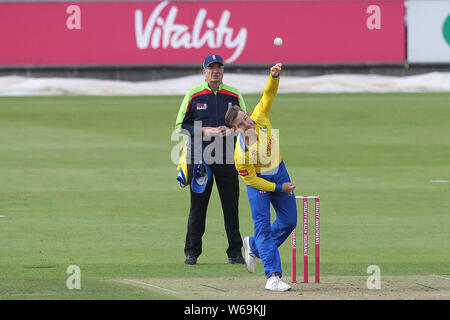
(88, 181)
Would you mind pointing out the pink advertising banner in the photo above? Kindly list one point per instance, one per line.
(171, 32)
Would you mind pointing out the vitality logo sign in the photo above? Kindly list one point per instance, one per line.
(163, 31)
(446, 30)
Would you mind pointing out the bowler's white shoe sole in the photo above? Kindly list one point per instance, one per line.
(250, 259)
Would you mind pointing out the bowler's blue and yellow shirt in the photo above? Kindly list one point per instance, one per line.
(263, 157)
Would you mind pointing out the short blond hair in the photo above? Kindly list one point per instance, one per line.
(232, 114)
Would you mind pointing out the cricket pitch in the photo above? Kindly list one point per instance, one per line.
(434, 287)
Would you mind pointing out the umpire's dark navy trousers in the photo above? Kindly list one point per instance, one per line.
(227, 182)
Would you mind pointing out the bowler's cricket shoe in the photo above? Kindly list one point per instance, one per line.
(274, 283)
(250, 259)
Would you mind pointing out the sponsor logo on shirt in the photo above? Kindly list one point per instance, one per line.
(243, 173)
(269, 147)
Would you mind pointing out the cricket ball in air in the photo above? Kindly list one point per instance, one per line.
(278, 41)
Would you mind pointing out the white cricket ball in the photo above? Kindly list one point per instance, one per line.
(278, 41)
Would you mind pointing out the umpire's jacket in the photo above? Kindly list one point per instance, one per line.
(202, 104)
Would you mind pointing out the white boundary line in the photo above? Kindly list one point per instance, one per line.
(141, 283)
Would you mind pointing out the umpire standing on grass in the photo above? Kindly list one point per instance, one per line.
(211, 141)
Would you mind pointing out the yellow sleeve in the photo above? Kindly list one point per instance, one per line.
(246, 170)
(248, 174)
(262, 109)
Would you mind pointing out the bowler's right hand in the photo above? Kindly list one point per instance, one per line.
(276, 69)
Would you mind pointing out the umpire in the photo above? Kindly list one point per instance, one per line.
(208, 102)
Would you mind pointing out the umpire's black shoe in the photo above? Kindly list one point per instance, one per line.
(236, 260)
(190, 260)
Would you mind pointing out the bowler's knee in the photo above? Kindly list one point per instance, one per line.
(291, 223)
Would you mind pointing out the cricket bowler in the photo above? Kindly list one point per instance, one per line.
(258, 161)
